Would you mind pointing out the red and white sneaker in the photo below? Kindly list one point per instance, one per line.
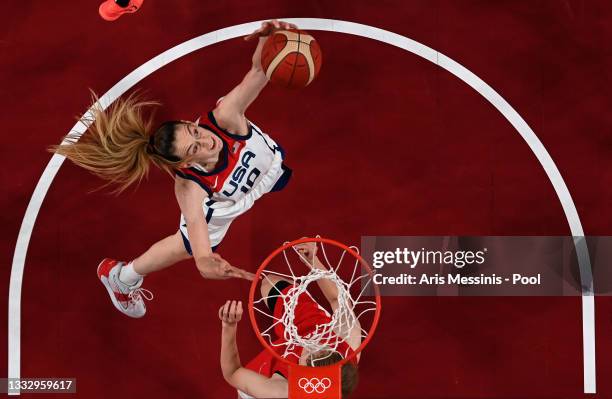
(110, 10)
(128, 299)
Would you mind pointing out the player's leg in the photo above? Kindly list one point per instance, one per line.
(162, 254)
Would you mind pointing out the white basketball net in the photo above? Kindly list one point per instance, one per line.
(326, 336)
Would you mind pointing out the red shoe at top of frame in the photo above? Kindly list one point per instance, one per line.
(110, 10)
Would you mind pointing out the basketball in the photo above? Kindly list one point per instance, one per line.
(291, 58)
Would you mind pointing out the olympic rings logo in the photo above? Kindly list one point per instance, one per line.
(314, 384)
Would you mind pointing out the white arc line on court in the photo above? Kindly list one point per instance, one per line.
(536, 146)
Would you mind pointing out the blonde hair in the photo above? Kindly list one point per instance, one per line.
(118, 146)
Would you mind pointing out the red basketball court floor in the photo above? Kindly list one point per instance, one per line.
(382, 143)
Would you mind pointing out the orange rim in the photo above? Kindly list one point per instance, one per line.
(265, 263)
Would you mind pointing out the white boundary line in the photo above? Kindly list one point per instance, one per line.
(27, 225)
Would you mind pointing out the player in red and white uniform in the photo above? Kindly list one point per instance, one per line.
(222, 164)
(265, 376)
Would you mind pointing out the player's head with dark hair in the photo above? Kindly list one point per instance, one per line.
(348, 372)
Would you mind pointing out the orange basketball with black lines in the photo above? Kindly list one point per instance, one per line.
(291, 58)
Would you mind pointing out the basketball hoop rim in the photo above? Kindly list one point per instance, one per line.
(265, 263)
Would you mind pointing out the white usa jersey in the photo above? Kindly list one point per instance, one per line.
(250, 166)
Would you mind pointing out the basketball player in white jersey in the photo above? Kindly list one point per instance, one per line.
(265, 376)
(222, 164)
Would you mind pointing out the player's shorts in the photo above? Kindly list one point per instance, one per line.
(220, 214)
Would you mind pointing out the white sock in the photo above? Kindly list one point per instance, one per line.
(128, 275)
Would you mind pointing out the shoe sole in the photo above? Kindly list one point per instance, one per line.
(111, 293)
(105, 16)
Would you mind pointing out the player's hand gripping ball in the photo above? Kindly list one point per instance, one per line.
(291, 58)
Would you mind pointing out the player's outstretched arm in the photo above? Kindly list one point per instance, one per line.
(246, 380)
(229, 113)
(209, 264)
